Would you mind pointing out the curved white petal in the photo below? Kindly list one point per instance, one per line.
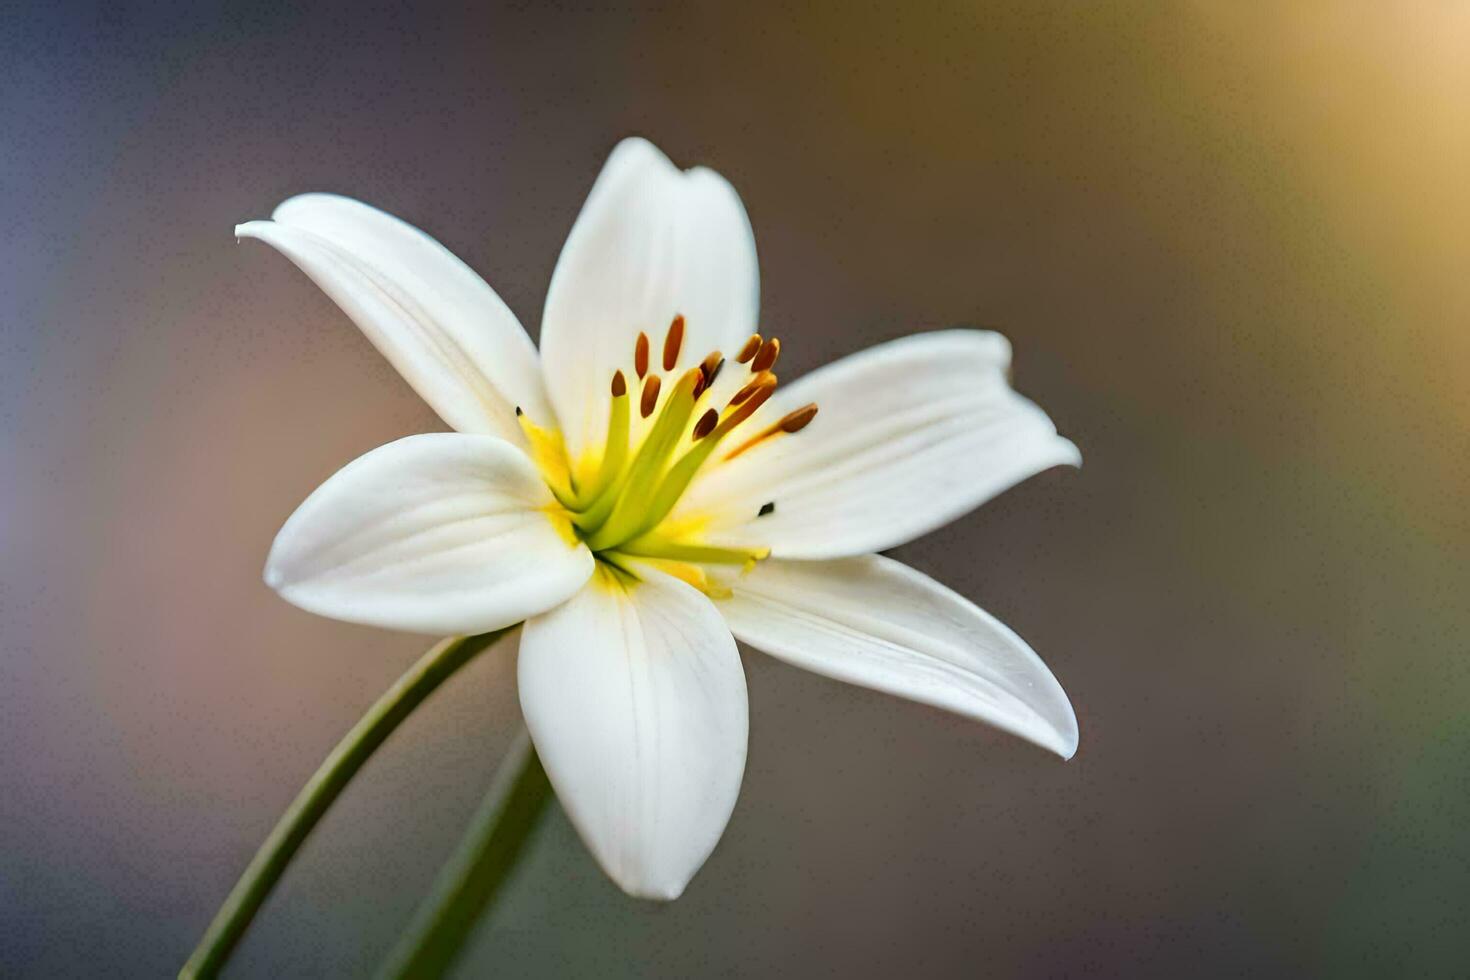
(435, 533)
(878, 623)
(441, 326)
(908, 436)
(635, 697)
(652, 241)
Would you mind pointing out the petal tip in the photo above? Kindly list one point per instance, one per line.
(1065, 736)
(250, 229)
(635, 144)
(273, 576)
(1070, 454)
(1066, 748)
(650, 892)
(638, 151)
(997, 346)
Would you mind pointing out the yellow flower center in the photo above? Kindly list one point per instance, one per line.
(619, 501)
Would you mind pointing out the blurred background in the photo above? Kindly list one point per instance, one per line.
(1229, 245)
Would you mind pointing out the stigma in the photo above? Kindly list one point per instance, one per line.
(665, 426)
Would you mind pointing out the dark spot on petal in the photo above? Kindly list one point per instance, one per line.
(769, 507)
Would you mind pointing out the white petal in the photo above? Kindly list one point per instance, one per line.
(441, 326)
(651, 241)
(908, 436)
(435, 533)
(636, 700)
(878, 623)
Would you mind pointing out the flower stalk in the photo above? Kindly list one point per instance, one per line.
(325, 785)
(474, 875)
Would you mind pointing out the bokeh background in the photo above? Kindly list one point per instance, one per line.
(1229, 244)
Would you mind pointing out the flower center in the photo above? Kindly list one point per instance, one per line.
(619, 500)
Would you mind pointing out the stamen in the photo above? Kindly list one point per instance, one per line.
(650, 395)
(710, 367)
(790, 422)
(615, 451)
(640, 354)
(682, 473)
(624, 518)
(672, 340)
(766, 358)
(750, 388)
(799, 419)
(749, 350)
(626, 497)
(757, 398)
(653, 546)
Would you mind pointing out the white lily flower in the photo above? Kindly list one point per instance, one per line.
(645, 491)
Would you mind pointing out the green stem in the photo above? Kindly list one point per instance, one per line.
(478, 869)
(265, 869)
